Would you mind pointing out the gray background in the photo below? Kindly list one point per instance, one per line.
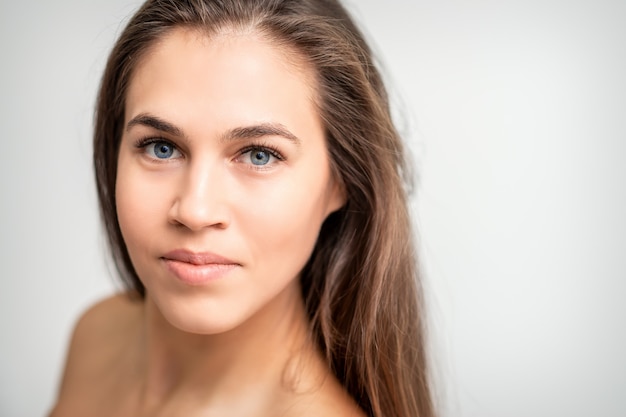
(515, 113)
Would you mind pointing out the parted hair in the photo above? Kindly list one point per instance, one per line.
(361, 286)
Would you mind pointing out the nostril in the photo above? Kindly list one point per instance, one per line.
(196, 212)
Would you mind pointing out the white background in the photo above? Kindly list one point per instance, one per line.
(515, 111)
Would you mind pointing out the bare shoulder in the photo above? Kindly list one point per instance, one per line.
(106, 313)
(330, 400)
(105, 321)
(337, 403)
(98, 338)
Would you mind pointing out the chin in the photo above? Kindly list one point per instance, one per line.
(201, 325)
(199, 316)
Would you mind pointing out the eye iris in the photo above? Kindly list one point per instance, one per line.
(163, 150)
(260, 157)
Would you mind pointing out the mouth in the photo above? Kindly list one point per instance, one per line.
(197, 258)
(197, 268)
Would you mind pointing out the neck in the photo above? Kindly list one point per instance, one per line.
(256, 361)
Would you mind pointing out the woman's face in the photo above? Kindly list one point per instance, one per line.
(223, 177)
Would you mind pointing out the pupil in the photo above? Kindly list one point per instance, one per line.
(163, 151)
(260, 158)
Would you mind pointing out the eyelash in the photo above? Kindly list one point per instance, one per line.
(262, 146)
(265, 147)
(143, 143)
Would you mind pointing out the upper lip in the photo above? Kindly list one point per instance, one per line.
(197, 258)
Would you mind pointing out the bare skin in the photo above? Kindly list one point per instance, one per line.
(223, 184)
(123, 362)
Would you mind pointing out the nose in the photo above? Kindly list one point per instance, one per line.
(201, 201)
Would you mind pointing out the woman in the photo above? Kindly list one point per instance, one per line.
(252, 186)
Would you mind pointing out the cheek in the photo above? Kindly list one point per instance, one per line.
(139, 204)
(283, 225)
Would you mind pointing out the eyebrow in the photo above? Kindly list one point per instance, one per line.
(245, 132)
(260, 130)
(155, 123)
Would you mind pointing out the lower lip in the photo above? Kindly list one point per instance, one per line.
(198, 274)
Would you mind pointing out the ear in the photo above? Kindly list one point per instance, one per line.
(337, 195)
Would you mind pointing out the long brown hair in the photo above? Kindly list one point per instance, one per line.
(361, 285)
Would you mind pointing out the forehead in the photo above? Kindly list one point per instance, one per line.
(224, 76)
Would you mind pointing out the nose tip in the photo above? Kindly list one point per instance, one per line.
(201, 203)
(196, 217)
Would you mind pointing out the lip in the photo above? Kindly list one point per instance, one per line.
(197, 268)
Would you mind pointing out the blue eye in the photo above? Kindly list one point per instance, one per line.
(162, 150)
(259, 157)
